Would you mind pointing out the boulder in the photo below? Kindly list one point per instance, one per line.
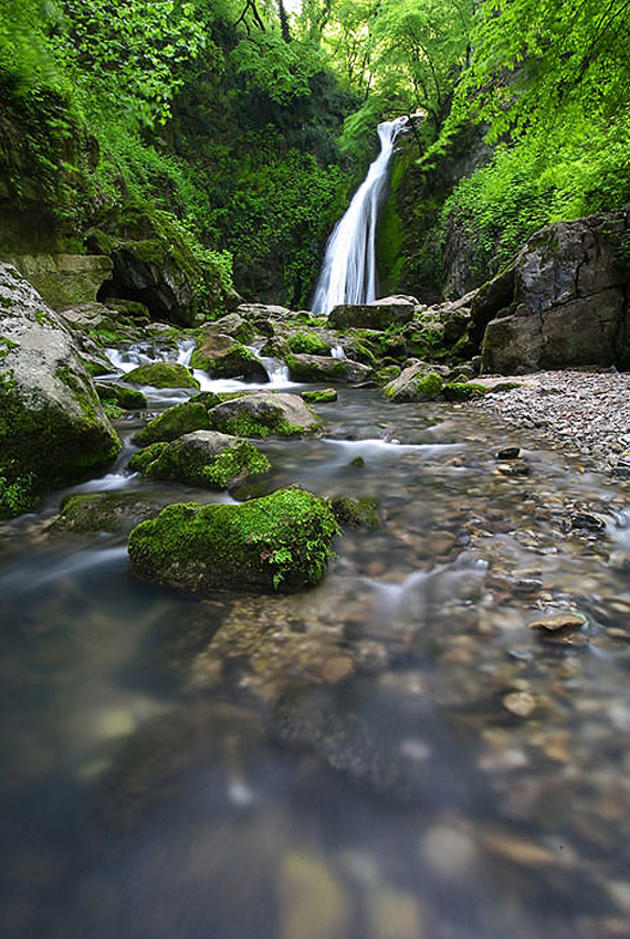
(281, 542)
(325, 368)
(123, 397)
(325, 396)
(203, 458)
(263, 311)
(163, 375)
(53, 429)
(378, 314)
(232, 325)
(105, 511)
(265, 413)
(562, 301)
(419, 382)
(219, 356)
(174, 422)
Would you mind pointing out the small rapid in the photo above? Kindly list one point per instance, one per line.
(349, 273)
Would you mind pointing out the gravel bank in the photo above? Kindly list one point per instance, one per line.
(587, 413)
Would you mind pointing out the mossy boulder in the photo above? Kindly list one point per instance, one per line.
(387, 374)
(227, 360)
(324, 368)
(232, 325)
(324, 396)
(163, 375)
(204, 458)
(280, 542)
(356, 513)
(181, 419)
(463, 391)
(308, 342)
(416, 383)
(105, 511)
(263, 414)
(120, 395)
(53, 429)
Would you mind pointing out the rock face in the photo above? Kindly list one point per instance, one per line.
(562, 302)
(204, 458)
(324, 368)
(265, 413)
(280, 542)
(64, 280)
(379, 314)
(52, 425)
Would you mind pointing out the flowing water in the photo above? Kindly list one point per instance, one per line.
(339, 764)
(349, 273)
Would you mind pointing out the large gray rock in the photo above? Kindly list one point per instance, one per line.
(64, 280)
(52, 425)
(419, 382)
(378, 314)
(562, 302)
(221, 357)
(265, 413)
(262, 310)
(324, 368)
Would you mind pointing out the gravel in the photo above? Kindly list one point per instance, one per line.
(587, 413)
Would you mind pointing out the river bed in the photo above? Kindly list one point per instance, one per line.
(392, 755)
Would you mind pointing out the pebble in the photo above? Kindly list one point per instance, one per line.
(520, 703)
(559, 621)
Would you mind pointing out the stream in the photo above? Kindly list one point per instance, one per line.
(391, 755)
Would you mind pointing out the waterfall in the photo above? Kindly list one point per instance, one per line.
(348, 273)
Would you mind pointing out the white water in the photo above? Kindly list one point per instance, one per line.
(348, 273)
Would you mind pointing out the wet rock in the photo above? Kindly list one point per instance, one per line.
(360, 513)
(163, 375)
(279, 542)
(265, 413)
(417, 383)
(520, 703)
(514, 468)
(221, 357)
(123, 397)
(203, 458)
(588, 521)
(394, 914)
(323, 368)
(508, 453)
(174, 422)
(559, 621)
(52, 426)
(450, 853)
(105, 511)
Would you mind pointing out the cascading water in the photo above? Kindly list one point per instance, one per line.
(348, 273)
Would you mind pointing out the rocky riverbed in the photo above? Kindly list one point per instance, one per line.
(586, 413)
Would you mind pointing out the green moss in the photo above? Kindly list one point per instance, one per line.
(114, 413)
(309, 343)
(463, 391)
(17, 493)
(208, 398)
(320, 397)
(182, 462)
(238, 360)
(6, 345)
(429, 386)
(266, 422)
(281, 541)
(389, 373)
(359, 513)
(180, 419)
(304, 370)
(163, 375)
(128, 398)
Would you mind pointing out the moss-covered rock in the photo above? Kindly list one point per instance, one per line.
(281, 542)
(53, 429)
(387, 374)
(319, 397)
(227, 361)
(105, 511)
(463, 391)
(379, 314)
(263, 414)
(356, 513)
(308, 342)
(204, 458)
(64, 280)
(120, 395)
(416, 383)
(324, 368)
(232, 325)
(181, 419)
(163, 375)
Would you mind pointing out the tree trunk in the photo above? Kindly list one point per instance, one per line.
(284, 22)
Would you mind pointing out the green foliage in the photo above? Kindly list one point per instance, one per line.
(16, 493)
